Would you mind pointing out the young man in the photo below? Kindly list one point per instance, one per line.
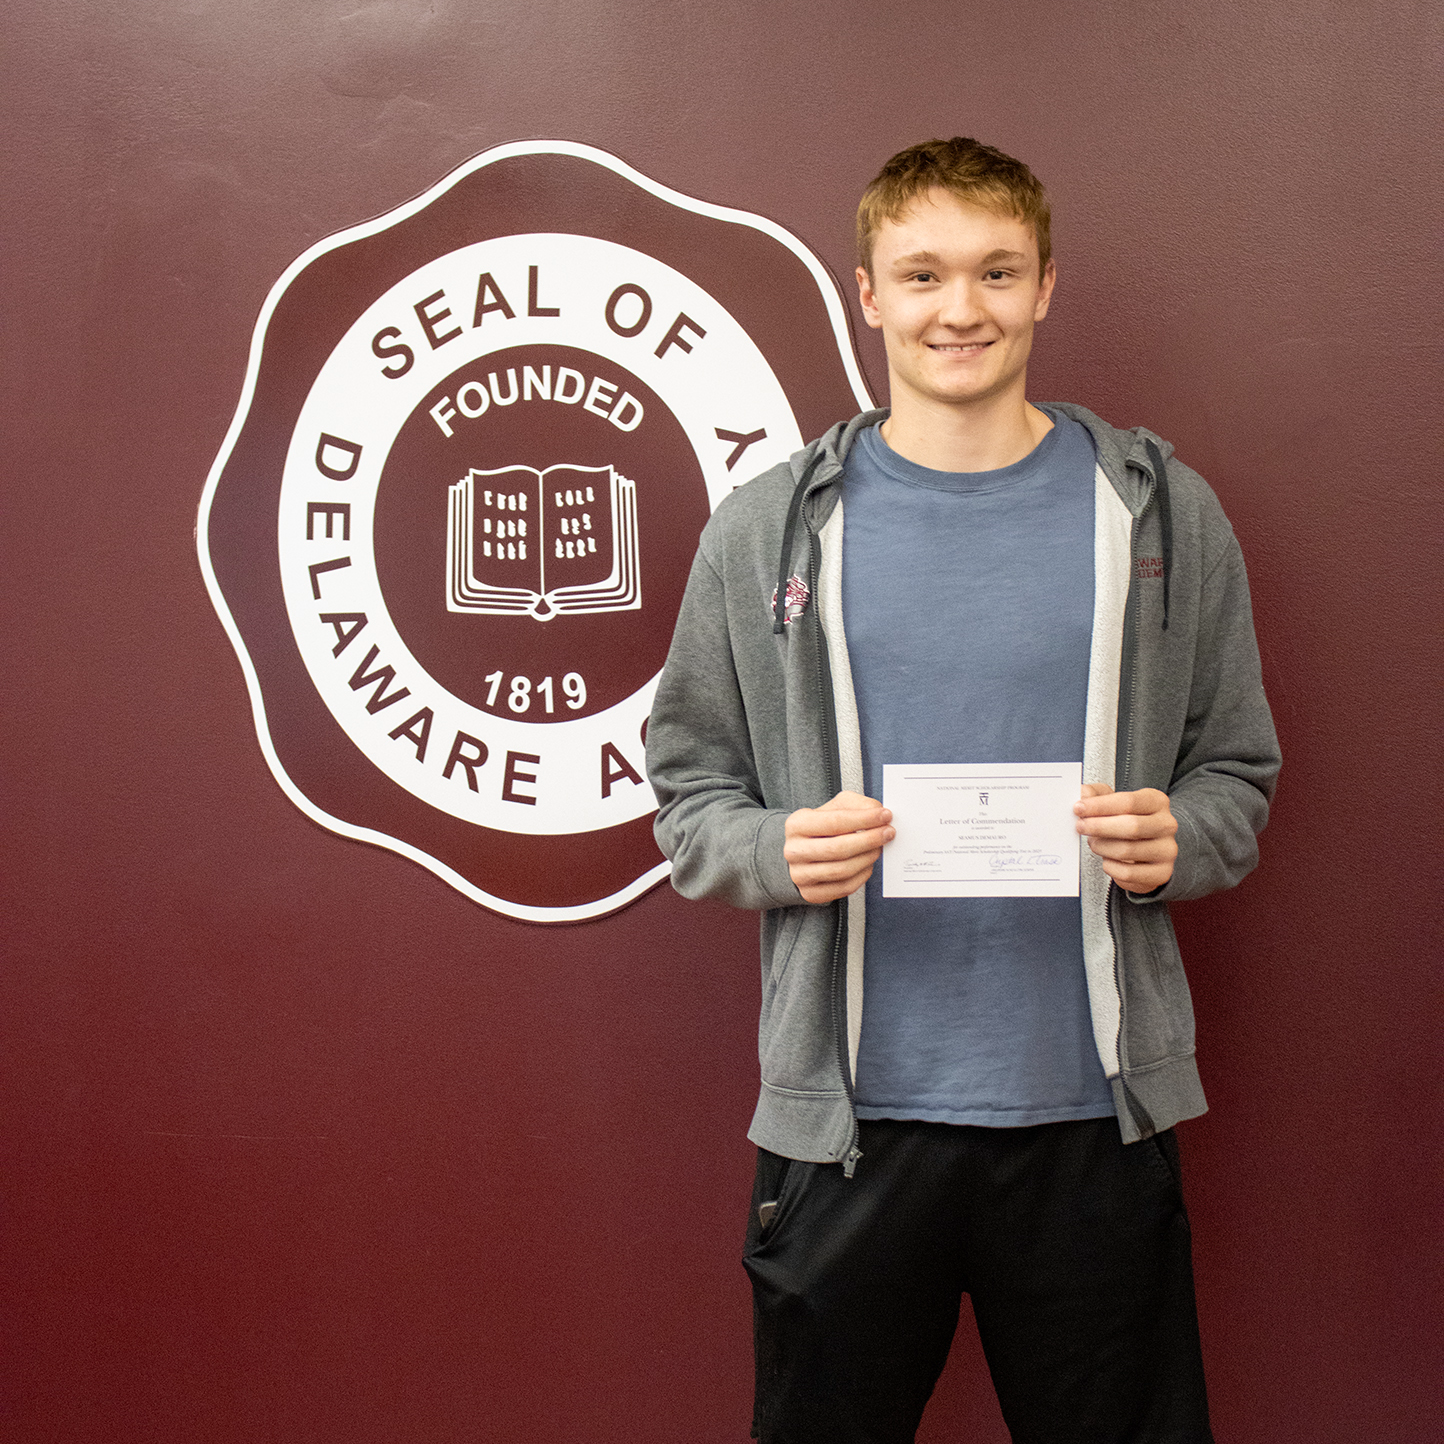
(967, 1094)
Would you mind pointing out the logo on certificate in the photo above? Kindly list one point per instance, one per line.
(450, 527)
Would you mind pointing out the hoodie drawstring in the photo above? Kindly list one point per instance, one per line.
(789, 530)
(1165, 518)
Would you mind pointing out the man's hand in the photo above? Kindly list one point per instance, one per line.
(1132, 832)
(830, 850)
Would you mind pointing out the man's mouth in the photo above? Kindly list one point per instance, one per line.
(957, 348)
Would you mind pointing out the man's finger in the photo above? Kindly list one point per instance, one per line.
(1148, 851)
(1145, 801)
(831, 891)
(813, 874)
(834, 821)
(854, 800)
(1130, 824)
(1138, 877)
(803, 848)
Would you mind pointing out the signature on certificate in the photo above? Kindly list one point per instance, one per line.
(1005, 863)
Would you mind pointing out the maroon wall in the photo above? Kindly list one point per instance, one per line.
(300, 1144)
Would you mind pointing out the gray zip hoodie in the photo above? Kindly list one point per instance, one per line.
(754, 717)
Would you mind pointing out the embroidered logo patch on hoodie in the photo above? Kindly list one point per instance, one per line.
(795, 603)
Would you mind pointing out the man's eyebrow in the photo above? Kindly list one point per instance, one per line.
(931, 258)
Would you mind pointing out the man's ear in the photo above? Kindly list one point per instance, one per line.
(1045, 290)
(867, 299)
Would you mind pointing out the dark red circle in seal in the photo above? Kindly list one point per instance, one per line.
(614, 652)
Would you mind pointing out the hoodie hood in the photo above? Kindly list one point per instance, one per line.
(1124, 455)
(1121, 450)
(1132, 459)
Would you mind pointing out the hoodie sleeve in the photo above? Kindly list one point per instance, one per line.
(711, 820)
(1228, 757)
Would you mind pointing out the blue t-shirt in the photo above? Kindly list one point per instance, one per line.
(968, 603)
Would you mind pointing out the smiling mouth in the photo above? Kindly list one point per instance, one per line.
(955, 348)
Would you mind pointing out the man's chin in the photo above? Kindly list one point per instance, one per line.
(934, 390)
(972, 393)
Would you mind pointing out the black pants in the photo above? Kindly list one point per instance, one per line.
(1074, 1248)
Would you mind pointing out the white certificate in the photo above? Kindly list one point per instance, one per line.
(1002, 829)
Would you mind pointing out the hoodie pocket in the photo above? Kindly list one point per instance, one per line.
(1158, 1006)
(787, 926)
(795, 1038)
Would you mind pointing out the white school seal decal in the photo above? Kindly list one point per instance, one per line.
(450, 526)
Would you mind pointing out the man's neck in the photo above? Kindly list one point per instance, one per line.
(982, 436)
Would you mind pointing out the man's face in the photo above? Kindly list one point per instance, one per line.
(955, 292)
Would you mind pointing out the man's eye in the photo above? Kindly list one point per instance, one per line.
(995, 275)
(924, 276)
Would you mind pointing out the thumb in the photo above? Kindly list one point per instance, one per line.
(851, 801)
(1090, 789)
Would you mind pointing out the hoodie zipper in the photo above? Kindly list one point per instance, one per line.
(832, 753)
(1128, 686)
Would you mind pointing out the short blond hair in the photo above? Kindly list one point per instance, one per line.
(966, 168)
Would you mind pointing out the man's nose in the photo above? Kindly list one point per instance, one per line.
(960, 307)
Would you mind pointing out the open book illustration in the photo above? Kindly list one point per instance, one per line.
(523, 542)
